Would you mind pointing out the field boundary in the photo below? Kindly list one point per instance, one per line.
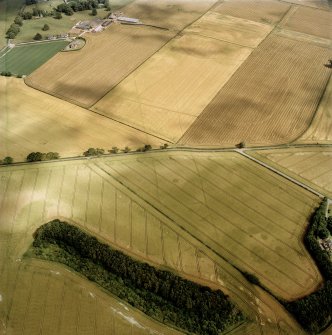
(284, 175)
(179, 32)
(277, 166)
(316, 111)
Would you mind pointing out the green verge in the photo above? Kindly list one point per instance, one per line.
(158, 293)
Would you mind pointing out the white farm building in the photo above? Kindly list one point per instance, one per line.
(128, 20)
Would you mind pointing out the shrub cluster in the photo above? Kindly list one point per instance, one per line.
(158, 293)
(7, 160)
(39, 156)
(13, 30)
(80, 5)
(93, 152)
(147, 147)
(6, 73)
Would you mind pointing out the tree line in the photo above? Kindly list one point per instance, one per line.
(314, 312)
(80, 5)
(160, 294)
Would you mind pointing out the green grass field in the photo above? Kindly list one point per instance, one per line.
(22, 60)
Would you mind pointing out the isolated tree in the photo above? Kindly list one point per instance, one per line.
(58, 15)
(147, 147)
(242, 145)
(35, 156)
(46, 27)
(114, 150)
(164, 146)
(38, 37)
(126, 149)
(94, 12)
(8, 160)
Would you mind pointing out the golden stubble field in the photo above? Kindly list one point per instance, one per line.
(310, 21)
(238, 209)
(89, 193)
(265, 11)
(34, 121)
(85, 76)
(271, 99)
(310, 165)
(311, 3)
(166, 94)
(320, 129)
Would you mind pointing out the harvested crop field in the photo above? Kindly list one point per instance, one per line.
(46, 298)
(230, 29)
(265, 11)
(320, 129)
(310, 165)
(222, 200)
(83, 192)
(271, 99)
(34, 121)
(310, 21)
(311, 3)
(110, 56)
(172, 14)
(24, 59)
(106, 59)
(165, 100)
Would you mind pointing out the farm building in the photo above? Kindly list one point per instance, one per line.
(129, 20)
(84, 25)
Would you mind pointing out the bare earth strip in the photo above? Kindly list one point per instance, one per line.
(270, 99)
(310, 21)
(266, 11)
(309, 165)
(33, 194)
(320, 130)
(165, 95)
(34, 121)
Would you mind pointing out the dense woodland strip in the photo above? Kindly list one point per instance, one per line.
(160, 294)
(314, 312)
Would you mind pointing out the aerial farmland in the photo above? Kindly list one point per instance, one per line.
(165, 167)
